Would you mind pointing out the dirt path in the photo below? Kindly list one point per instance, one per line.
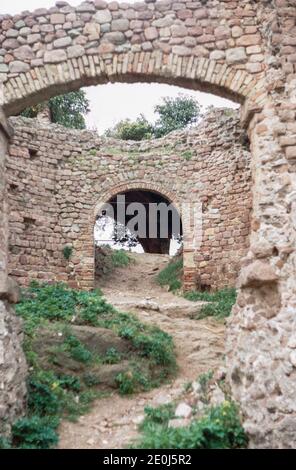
(112, 422)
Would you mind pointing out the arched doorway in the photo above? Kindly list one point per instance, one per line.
(142, 218)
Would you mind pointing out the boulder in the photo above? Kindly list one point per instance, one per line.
(183, 411)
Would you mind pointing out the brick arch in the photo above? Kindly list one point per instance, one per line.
(140, 185)
(84, 246)
(188, 72)
(49, 52)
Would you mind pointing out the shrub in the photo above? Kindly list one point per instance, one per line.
(130, 381)
(41, 398)
(112, 356)
(159, 415)
(69, 382)
(120, 259)
(158, 346)
(108, 259)
(126, 383)
(4, 443)
(171, 275)
(91, 380)
(188, 154)
(221, 302)
(204, 379)
(76, 349)
(35, 433)
(126, 129)
(220, 428)
(57, 302)
(67, 252)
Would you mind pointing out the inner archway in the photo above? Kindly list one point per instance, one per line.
(141, 218)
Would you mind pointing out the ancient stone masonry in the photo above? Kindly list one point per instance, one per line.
(218, 44)
(57, 179)
(245, 50)
(12, 362)
(261, 347)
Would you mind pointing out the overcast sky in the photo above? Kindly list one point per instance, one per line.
(113, 102)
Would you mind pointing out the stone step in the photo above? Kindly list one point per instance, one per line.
(176, 309)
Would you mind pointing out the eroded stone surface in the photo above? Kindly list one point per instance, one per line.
(13, 368)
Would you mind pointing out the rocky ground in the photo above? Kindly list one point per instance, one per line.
(113, 421)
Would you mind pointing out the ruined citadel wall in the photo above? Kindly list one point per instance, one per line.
(57, 177)
(244, 49)
(12, 362)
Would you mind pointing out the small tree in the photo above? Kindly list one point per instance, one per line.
(176, 113)
(131, 130)
(67, 110)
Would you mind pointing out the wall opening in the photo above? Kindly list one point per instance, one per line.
(138, 221)
(141, 221)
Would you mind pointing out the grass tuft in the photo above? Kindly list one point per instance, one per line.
(120, 259)
(221, 304)
(171, 275)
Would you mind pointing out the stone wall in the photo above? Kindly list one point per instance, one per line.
(244, 49)
(12, 362)
(13, 368)
(261, 346)
(218, 44)
(57, 178)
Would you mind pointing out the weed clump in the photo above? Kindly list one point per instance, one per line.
(218, 428)
(220, 302)
(171, 275)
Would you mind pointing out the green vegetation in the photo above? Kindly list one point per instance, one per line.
(219, 428)
(173, 113)
(221, 304)
(4, 443)
(67, 110)
(76, 349)
(58, 302)
(187, 155)
(159, 415)
(120, 258)
(67, 252)
(126, 129)
(171, 275)
(35, 432)
(51, 311)
(107, 259)
(204, 379)
(129, 381)
(112, 356)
